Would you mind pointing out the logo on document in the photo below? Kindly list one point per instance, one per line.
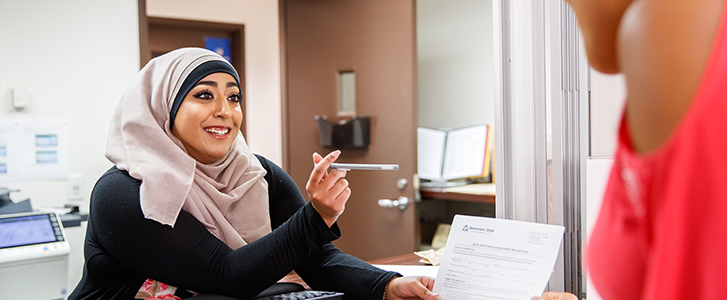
(467, 228)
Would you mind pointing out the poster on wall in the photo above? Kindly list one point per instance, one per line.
(34, 149)
(219, 45)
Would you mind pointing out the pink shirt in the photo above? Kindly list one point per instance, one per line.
(662, 229)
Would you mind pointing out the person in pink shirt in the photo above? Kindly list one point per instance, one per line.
(662, 228)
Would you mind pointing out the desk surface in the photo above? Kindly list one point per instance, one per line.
(480, 192)
(404, 259)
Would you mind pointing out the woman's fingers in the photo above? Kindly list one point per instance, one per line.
(331, 184)
(555, 296)
(328, 191)
(321, 165)
(332, 179)
(343, 196)
(428, 282)
(320, 169)
(333, 191)
(338, 187)
(317, 158)
(423, 290)
(335, 197)
(411, 287)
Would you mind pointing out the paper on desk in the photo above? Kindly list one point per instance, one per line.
(431, 256)
(411, 270)
(488, 258)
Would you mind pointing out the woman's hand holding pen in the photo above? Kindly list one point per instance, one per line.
(328, 191)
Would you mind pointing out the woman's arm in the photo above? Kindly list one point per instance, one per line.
(187, 255)
(330, 269)
(327, 268)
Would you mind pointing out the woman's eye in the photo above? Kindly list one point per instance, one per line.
(204, 95)
(235, 98)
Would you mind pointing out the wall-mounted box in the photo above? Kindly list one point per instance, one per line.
(349, 133)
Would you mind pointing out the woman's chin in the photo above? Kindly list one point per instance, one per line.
(219, 154)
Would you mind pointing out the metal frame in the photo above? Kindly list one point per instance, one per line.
(570, 123)
(501, 51)
(520, 112)
(540, 60)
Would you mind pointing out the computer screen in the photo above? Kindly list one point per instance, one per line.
(27, 230)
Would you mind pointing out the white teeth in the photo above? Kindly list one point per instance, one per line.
(217, 132)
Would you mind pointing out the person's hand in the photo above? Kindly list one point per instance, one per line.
(555, 296)
(328, 191)
(411, 287)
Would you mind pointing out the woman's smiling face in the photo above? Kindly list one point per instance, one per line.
(209, 118)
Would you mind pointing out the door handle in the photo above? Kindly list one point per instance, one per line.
(401, 203)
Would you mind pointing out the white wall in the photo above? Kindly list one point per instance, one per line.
(597, 172)
(455, 63)
(608, 95)
(262, 60)
(75, 57)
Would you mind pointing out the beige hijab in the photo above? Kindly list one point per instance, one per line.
(229, 196)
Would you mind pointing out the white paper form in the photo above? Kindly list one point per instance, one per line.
(487, 258)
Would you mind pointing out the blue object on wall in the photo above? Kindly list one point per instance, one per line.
(220, 45)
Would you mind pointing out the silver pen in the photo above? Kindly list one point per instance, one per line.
(348, 167)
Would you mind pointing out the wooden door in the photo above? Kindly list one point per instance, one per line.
(161, 35)
(376, 40)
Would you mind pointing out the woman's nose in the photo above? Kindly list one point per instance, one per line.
(223, 109)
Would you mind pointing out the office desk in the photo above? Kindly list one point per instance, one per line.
(440, 204)
(479, 192)
(404, 259)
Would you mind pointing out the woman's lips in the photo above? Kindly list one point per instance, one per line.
(220, 133)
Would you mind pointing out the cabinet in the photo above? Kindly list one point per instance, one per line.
(439, 205)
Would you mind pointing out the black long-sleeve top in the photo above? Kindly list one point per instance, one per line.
(123, 249)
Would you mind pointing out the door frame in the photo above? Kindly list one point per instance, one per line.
(237, 31)
(284, 113)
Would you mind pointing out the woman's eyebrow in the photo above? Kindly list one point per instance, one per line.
(211, 83)
(214, 83)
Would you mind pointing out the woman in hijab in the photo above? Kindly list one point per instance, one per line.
(188, 209)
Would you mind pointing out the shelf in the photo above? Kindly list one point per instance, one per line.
(480, 192)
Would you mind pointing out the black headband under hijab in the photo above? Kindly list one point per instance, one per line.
(207, 68)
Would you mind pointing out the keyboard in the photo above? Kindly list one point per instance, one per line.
(305, 295)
